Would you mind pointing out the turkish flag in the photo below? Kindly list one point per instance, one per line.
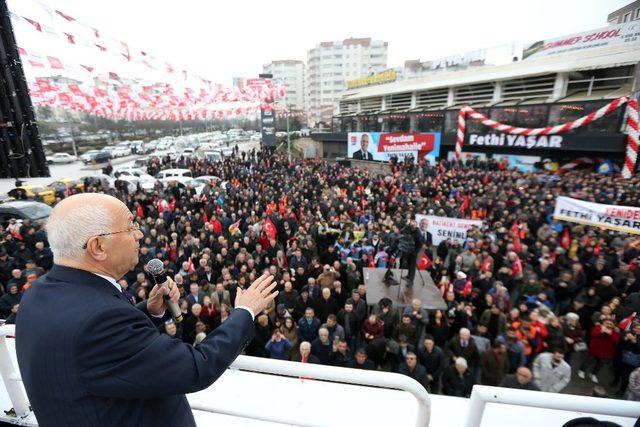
(70, 38)
(466, 291)
(270, 229)
(424, 263)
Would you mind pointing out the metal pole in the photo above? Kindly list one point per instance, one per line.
(288, 137)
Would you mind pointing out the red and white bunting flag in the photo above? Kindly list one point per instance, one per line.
(102, 48)
(65, 16)
(36, 24)
(22, 51)
(70, 38)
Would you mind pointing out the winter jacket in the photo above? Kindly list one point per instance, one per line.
(549, 378)
(603, 346)
(278, 349)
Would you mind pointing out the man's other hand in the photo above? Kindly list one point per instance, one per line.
(257, 296)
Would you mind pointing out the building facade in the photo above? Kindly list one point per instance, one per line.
(628, 13)
(532, 93)
(292, 74)
(331, 64)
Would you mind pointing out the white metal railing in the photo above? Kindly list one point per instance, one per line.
(320, 372)
(10, 376)
(15, 390)
(481, 395)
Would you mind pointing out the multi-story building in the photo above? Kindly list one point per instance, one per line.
(630, 12)
(331, 64)
(292, 74)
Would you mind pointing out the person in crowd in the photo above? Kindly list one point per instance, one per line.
(522, 380)
(411, 368)
(433, 359)
(457, 380)
(602, 348)
(360, 361)
(463, 346)
(278, 346)
(551, 372)
(494, 365)
(304, 355)
(308, 326)
(322, 346)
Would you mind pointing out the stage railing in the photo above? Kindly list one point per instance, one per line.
(481, 395)
(320, 372)
(10, 375)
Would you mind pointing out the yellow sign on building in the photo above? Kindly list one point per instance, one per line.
(384, 77)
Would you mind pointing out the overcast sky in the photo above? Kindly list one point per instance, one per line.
(222, 39)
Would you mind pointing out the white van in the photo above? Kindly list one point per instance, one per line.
(169, 173)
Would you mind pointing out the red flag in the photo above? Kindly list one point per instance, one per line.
(34, 23)
(70, 38)
(22, 51)
(65, 16)
(517, 267)
(466, 201)
(270, 228)
(140, 211)
(466, 291)
(565, 240)
(16, 235)
(86, 67)
(625, 324)
(95, 31)
(102, 48)
(487, 264)
(424, 263)
(191, 269)
(113, 75)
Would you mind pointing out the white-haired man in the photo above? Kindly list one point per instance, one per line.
(87, 355)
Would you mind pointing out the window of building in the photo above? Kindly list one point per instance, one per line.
(563, 113)
(626, 17)
(430, 121)
(531, 116)
(396, 122)
(451, 121)
(371, 124)
(637, 13)
(504, 115)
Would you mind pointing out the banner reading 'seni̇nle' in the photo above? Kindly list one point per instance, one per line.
(612, 217)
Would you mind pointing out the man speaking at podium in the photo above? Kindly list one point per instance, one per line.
(88, 356)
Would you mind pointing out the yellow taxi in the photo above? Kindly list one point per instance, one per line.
(61, 185)
(46, 194)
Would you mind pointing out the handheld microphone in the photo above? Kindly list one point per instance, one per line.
(155, 269)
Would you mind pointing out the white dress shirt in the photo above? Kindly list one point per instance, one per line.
(119, 288)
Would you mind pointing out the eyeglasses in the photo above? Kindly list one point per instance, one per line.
(134, 226)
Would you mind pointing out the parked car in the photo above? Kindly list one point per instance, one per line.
(89, 156)
(168, 173)
(182, 182)
(31, 192)
(128, 170)
(61, 158)
(64, 184)
(102, 157)
(121, 151)
(23, 209)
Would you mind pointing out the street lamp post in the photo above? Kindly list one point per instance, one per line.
(288, 137)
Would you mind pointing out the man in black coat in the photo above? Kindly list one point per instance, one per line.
(457, 379)
(413, 369)
(79, 339)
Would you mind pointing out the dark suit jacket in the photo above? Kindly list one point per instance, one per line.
(89, 357)
(362, 155)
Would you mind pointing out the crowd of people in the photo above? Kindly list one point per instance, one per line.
(528, 300)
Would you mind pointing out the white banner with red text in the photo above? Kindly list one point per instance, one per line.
(611, 217)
